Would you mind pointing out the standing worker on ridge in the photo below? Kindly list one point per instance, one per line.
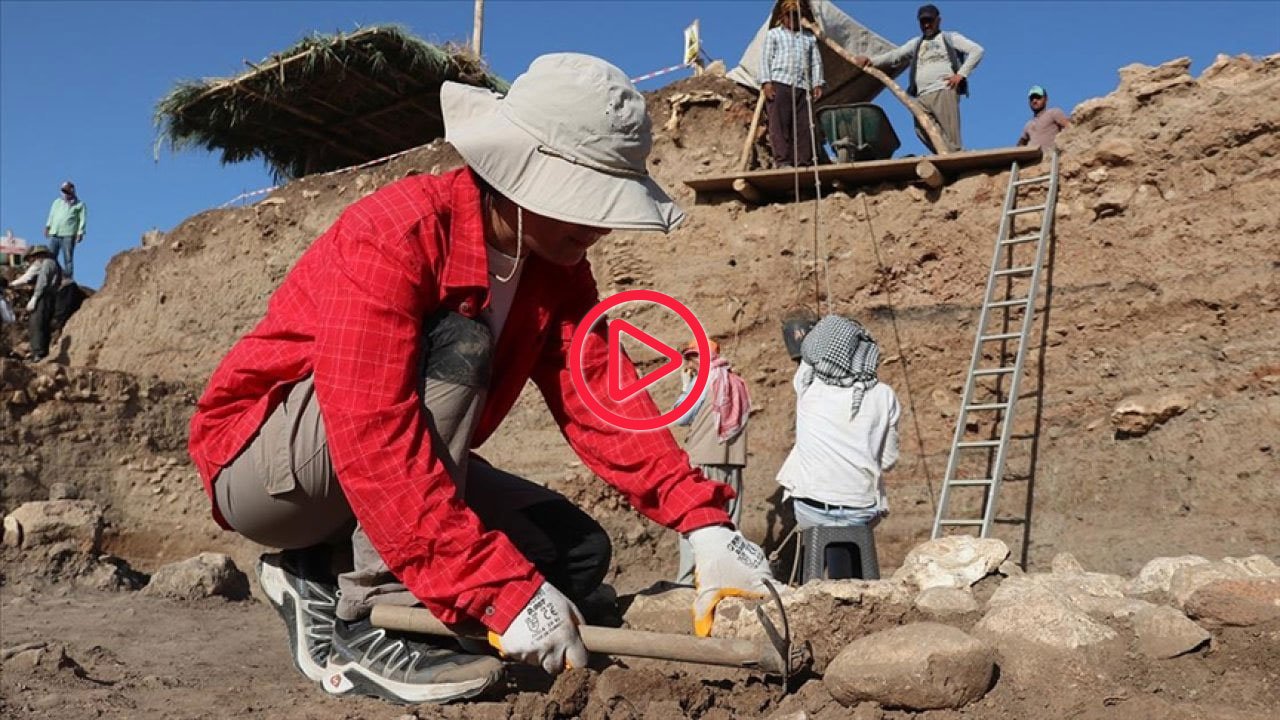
(43, 272)
(397, 343)
(791, 80)
(65, 227)
(717, 440)
(1042, 129)
(941, 63)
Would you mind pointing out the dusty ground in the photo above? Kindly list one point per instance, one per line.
(1163, 280)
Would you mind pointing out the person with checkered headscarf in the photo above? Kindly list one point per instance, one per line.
(846, 433)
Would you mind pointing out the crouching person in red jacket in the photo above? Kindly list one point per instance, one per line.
(397, 344)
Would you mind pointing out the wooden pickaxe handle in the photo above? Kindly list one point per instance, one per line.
(729, 652)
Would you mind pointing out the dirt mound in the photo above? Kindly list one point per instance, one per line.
(1162, 282)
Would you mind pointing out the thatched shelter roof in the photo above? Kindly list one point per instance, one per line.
(330, 101)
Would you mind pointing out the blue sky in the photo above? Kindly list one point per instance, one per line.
(78, 81)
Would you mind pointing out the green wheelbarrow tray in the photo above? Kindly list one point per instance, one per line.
(860, 131)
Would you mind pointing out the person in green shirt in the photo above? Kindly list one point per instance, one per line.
(65, 226)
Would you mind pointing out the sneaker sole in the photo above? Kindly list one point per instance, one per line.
(285, 601)
(344, 679)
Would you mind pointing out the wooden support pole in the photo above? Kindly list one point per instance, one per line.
(477, 28)
(748, 192)
(929, 174)
(745, 161)
(926, 122)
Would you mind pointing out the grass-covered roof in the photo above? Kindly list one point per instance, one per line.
(330, 101)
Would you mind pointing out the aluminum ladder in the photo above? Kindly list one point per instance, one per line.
(1004, 297)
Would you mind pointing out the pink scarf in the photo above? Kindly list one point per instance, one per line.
(731, 401)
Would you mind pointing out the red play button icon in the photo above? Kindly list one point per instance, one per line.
(624, 409)
(619, 392)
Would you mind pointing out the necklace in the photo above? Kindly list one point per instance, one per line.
(515, 266)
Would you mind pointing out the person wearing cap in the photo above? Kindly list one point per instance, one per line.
(941, 63)
(397, 343)
(43, 272)
(717, 439)
(65, 226)
(791, 80)
(1042, 129)
(846, 434)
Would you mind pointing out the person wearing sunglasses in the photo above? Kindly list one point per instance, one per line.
(941, 63)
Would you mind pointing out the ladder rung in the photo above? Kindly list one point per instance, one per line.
(968, 482)
(1028, 209)
(1009, 303)
(971, 523)
(1009, 520)
(1034, 180)
(988, 406)
(979, 444)
(993, 371)
(1000, 336)
(1027, 270)
(1020, 239)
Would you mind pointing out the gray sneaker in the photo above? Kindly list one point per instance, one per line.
(307, 603)
(390, 665)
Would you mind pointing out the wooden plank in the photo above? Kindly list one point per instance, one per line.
(926, 122)
(779, 183)
(745, 161)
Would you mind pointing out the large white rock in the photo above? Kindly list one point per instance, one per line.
(205, 575)
(664, 607)
(940, 602)
(922, 666)
(1137, 416)
(1042, 619)
(77, 522)
(1155, 575)
(1187, 580)
(1258, 565)
(1164, 632)
(808, 604)
(1095, 594)
(956, 561)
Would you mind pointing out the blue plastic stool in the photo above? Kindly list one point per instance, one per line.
(856, 542)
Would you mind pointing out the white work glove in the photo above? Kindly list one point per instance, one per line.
(545, 633)
(727, 565)
(31, 304)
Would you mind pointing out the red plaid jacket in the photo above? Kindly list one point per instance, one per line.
(350, 314)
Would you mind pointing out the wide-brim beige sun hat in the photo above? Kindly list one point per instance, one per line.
(568, 141)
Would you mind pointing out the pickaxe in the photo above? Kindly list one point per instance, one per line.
(775, 654)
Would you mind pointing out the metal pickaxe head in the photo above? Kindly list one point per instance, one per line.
(788, 659)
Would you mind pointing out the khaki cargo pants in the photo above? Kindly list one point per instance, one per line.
(281, 491)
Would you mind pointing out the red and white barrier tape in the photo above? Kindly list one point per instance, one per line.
(264, 191)
(658, 73)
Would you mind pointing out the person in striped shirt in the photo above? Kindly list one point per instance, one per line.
(791, 78)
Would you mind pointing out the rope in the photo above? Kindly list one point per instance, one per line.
(264, 191)
(825, 279)
(906, 376)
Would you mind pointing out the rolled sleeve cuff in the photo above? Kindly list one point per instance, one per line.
(498, 610)
(703, 517)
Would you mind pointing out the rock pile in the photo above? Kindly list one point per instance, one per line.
(924, 639)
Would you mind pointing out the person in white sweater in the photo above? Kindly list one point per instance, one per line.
(941, 63)
(846, 434)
